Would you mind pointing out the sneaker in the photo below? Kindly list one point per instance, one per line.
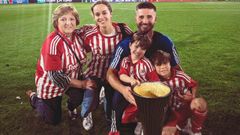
(31, 95)
(139, 129)
(101, 96)
(73, 114)
(87, 122)
(188, 129)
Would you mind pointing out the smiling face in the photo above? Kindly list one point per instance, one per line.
(145, 19)
(102, 15)
(67, 23)
(164, 70)
(137, 52)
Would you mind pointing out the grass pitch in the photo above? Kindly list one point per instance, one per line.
(205, 34)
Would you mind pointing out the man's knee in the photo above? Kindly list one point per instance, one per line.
(199, 104)
(169, 131)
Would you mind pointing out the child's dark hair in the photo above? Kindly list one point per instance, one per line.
(160, 57)
(142, 40)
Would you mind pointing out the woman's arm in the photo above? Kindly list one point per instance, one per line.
(63, 81)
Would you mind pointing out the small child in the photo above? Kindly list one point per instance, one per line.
(183, 102)
(136, 69)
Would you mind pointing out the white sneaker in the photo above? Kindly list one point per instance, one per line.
(88, 122)
(139, 129)
(73, 114)
(101, 96)
(188, 129)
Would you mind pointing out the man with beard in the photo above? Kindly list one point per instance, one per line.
(145, 20)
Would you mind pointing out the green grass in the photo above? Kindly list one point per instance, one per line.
(205, 34)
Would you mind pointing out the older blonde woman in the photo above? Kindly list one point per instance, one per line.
(59, 67)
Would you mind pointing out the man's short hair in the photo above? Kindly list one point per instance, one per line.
(147, 5)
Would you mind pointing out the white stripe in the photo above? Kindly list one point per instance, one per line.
(183, 84)
(171, 84)
(95, 44)
(117, 39)
(53, 45)
(148, 64)
(107, 46)
(139, 67)
(116, 59)
(56, 44)
(113, 45)
(146, 70)
(176, 82)
(100, 44)
(184, 76)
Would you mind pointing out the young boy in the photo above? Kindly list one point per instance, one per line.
(134, 70)
(183, 103)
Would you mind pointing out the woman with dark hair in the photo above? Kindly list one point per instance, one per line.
(101, 40)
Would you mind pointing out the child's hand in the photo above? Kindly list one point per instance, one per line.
(135, 82)
(187, 96)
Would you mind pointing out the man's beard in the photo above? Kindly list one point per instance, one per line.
(145, 31)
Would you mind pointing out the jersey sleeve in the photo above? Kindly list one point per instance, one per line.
(192, 84)
(81, 32)
(153, 76)
(122, 50)
(189, 82)
(127, 29)
(51, 54)
(123, 67)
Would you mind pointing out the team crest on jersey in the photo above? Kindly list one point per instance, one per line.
(69, 54)
(72, 67)
(142, 72)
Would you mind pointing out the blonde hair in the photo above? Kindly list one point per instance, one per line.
(62, 10)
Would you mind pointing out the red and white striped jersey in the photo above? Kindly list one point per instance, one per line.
(142, 70)
(181, 82)
(101, 47)
(56, 55)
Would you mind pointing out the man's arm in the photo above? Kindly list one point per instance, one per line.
(117, 85)
(120, 52)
